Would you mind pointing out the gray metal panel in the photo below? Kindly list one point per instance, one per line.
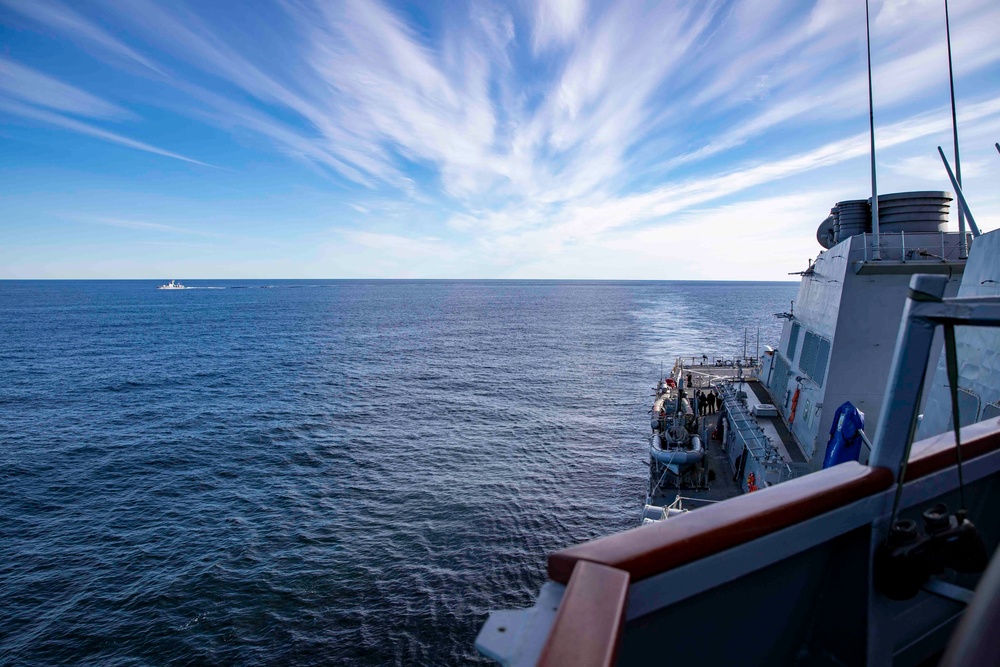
(793, 341)
(817, 309)
(870, 313)
(815, 355)
(779, 377)
(968, 406)
(978, 347)
(855, 304)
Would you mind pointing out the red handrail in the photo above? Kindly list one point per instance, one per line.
(587, 628)
(649, 550)
(938, 452)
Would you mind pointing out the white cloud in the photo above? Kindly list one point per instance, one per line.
(65, 123)
(27, 85)
(592, 128)
(929, 168)
(557, 22)
(591, 218)
(66, 21)
(145, 226)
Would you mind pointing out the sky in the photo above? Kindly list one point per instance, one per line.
(551, 139)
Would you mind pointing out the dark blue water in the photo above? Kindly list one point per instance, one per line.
(320, 473)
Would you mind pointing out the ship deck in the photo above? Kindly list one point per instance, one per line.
(703, 376)
(705, 372)
(773, 426)
(722, 484)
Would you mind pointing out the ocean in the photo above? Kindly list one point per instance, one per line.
(321, 472)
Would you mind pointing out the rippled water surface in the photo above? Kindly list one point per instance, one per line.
(320, 473)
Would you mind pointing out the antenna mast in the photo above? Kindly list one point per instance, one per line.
(963, 245)
(877, 250)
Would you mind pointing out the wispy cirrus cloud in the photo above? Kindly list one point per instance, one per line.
(373, 98)
(57, 120)
(557, 22)
(600, 217)
(66, 21)
(543, 124)
(144, 225)
(32, 87)
(927, 167)
(29, 94)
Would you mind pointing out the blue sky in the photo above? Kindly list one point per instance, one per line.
(555, 139)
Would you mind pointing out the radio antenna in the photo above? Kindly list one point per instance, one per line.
(963, 243)
(877, 250)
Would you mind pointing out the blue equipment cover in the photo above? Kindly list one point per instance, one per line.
(845, 437)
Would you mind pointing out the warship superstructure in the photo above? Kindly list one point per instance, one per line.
(830, 547)
(876, 560)
(779, 411)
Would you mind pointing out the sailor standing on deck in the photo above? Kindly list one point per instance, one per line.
(712, 400)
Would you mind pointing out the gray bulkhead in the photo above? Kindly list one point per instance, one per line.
(845, 322)
(978, 351)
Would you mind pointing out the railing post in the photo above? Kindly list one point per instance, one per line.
(902, 242)
(864, 242)
(587, 630)
(906, 377)
(942, 247)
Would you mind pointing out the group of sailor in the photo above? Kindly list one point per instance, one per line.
(707, 401)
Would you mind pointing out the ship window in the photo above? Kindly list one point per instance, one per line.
(793, 341)
(815, 355)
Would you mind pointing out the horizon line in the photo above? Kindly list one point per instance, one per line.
(631, 280)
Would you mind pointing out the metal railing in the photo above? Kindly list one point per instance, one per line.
(912, 246)
(764, 459)
(747, 431)
(717, 361)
